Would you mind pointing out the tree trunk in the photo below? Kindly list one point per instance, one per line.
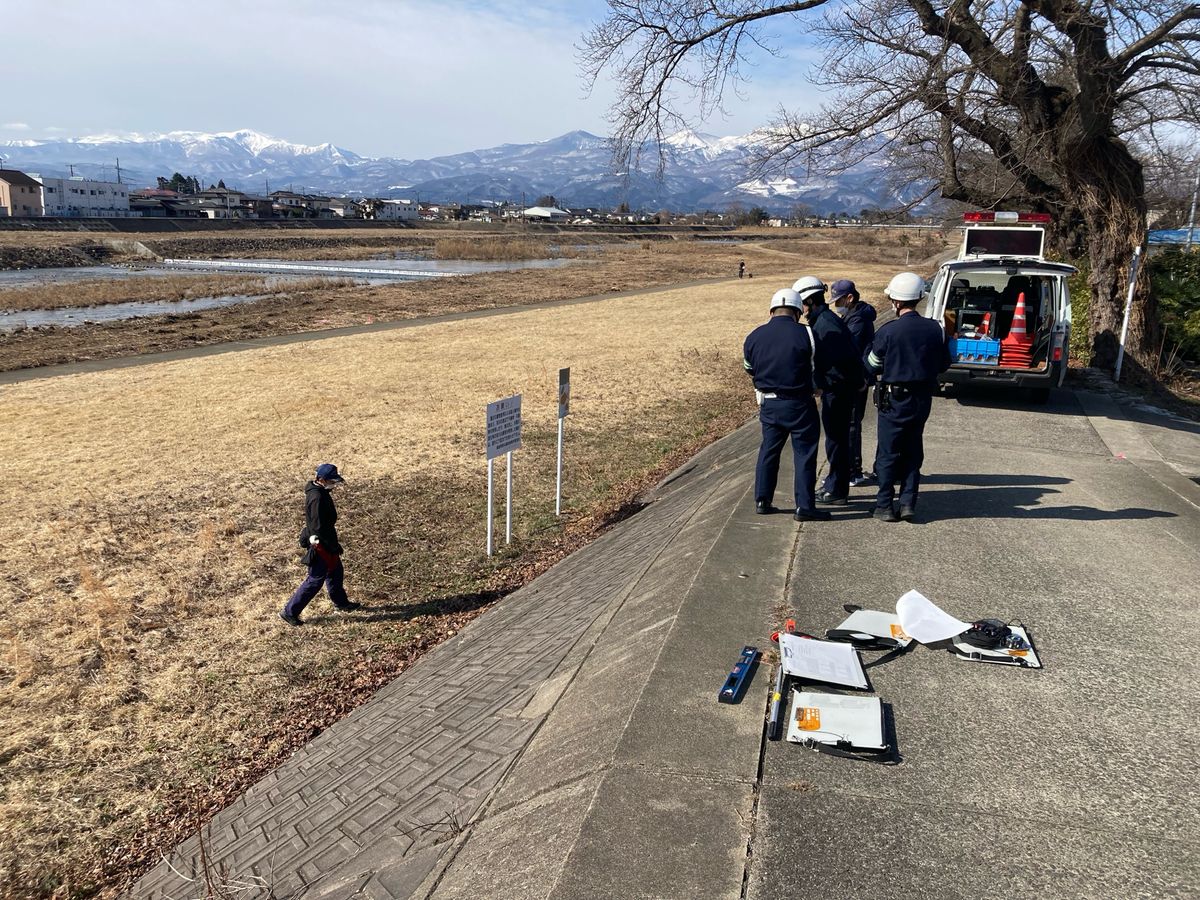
(1108, 182)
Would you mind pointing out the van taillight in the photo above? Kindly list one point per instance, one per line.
(1058, 354)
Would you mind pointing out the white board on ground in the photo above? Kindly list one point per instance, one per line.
(923, 621)
(830, 718)
(822, 661)
(503, 426)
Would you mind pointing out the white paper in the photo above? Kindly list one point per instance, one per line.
(925, 622)
(827, 661)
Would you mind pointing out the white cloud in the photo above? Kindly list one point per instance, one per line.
(15, 126)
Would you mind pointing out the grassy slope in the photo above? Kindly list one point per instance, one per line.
(144, 674)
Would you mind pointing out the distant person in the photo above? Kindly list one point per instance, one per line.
(323, 552)
(840, 373)
(860, 320)
(742, 269)
(779, 357)
(907, 354)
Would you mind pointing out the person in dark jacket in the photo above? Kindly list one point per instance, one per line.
(779, 358)
(323, 552)
(860, 321)
(840, 375)
(907, 354)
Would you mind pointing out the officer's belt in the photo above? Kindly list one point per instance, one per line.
(784, 395)
(906, 385)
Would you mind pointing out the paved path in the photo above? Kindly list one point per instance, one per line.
(567, 744)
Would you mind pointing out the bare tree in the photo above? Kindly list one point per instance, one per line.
(1049, 105)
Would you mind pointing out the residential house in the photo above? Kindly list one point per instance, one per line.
(391, 210)
(344, 208)
(291, 205)
(20, 195)
(223, 203)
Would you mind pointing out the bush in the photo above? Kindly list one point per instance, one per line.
(1175, 281)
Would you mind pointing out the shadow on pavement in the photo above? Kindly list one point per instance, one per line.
(997, 480)
(1015, 503)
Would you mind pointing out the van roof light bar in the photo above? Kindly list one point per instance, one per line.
(1005, 218)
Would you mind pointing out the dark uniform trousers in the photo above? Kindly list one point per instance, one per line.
(856, 420)
(782, 418)
(324, 569)
(901, 447)
(837, 413)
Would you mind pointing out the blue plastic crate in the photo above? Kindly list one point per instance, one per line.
(977, 351)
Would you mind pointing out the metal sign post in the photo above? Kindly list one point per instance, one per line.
(1133, 270)
(489, 512)
(508, 501)
(564, 407)
(503, 437)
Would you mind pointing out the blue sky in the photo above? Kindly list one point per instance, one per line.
(403, 78)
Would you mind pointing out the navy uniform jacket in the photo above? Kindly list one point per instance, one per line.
(860, 321)
(320, 518)
(910, 350)
(839, 364)
(779, 357)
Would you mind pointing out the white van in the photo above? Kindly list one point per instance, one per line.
(978, 298)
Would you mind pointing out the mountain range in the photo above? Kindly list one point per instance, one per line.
(701, 171)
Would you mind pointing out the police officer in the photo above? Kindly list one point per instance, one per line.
(779, 358)
(907, 355)
(859, 317)
(839, 372)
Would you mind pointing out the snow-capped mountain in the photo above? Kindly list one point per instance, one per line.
(699, 170)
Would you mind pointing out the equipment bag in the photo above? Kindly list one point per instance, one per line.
(988, 634)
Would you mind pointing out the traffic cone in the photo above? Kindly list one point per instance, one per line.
(1017, 348)
(985, 327)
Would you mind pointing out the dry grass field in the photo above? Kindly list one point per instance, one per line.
(144, 676)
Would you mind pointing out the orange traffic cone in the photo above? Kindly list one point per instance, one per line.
(1017, 348)
(985, 327)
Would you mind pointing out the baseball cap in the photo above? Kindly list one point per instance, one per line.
(841, 288)
(328, 472)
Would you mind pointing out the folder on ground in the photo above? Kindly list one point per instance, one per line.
(871, 629)
(839, 720)
(827, 661)
(1026, 657)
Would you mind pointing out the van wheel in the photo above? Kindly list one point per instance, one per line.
(1039, 396)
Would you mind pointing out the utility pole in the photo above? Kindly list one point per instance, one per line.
(118, 170)
(1192, 214)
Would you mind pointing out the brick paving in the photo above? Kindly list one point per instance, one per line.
(368, 807)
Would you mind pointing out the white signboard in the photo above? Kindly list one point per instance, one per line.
(564, 392)
(503, 426)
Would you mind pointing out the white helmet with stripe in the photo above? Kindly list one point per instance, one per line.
(785, 297)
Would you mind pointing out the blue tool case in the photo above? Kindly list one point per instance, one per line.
(978, 351)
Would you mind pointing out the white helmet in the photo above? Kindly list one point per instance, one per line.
(907, 287)
(810, 288)
(785, 297)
